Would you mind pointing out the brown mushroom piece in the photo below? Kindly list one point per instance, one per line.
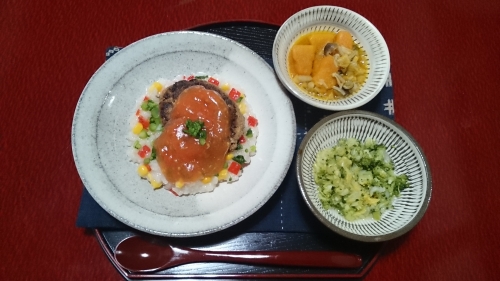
(330, 49)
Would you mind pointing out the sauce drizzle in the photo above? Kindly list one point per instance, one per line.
(181, 157)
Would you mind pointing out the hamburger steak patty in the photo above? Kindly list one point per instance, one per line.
(169, 96)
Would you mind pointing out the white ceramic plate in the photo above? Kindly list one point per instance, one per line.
(100, 126)
(403, 150)
(331, 18)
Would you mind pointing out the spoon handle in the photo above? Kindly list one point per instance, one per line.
(291, 258)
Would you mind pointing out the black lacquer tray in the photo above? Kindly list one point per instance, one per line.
(259, 37)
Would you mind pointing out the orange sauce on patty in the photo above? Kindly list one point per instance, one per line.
(181, 157)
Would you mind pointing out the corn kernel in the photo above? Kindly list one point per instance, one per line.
(243, 108)
(225, 87)
(229, 156)
(142, 170)
(179, 184)
(223, 174)
(206, 180)
(156, 86)
(156, 184)
(137, 128)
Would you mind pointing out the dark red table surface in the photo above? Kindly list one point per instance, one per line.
(445, 70)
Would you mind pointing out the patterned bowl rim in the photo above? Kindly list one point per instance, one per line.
(399, 129)
(378, 49)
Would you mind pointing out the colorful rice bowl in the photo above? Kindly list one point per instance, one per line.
(146, 127)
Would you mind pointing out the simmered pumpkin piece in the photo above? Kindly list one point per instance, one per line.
(303, 57)
(322, 76)
(344, 38)
(319, 40)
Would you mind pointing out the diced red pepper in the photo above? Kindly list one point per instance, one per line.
(141, 153)
(234, 168)
(144, 122)
(252, 121)
(146, 98)
(148, 167)
(144, 151)
(213, 81)
(191, 77)
(234, 94)
(138, 112)
(173, 192)
(242, 140)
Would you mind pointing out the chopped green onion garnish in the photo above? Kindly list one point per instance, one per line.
(155, 112)
(137, 145)
(197, 130)
(239, 158)
(249, 133)
(143, 134)
(151, 104)
(153, 153)
(156, 120)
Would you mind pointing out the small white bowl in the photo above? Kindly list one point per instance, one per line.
(331, 18)
(403, 150)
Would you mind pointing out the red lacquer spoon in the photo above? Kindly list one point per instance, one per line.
(137, 254)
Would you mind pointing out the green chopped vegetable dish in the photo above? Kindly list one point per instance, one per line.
(357, 179)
